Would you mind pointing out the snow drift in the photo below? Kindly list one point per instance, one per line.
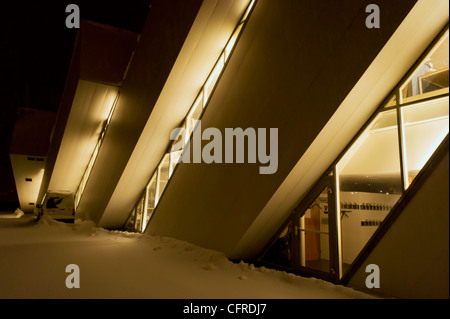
(114, 264)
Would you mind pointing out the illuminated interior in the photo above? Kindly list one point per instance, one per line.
(332, 225)
(431, 77)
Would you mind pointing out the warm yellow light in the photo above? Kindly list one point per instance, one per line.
(111, 111)
(87, 172)
(232, 41)
(248, 10)
(213, 77)
(193, 116)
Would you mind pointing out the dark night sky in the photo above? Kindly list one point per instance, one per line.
(36, 48)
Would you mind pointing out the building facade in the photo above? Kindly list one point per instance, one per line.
(339, 151)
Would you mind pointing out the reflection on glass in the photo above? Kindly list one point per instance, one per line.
(174, 160)
(193, 116)
(280, 252)
(163, 176)
(179, 138)
(431, 78)
(139, 214)
(151, 200)
(314, 235)
(425, 125)
(369, 183)
(209, 85)
(129, 225)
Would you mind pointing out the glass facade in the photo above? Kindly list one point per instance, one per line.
(371, 175)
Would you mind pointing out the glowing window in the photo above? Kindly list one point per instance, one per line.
(193, 116)
(163, 176)
(425, 125)
(232, 41)
(150, 200)
(213, 77)
(431, 78)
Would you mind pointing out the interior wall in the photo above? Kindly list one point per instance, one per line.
(355, 234)
(413, 256)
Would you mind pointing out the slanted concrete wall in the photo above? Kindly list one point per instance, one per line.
(294, 64)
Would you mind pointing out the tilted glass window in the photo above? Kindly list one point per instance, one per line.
(151, 199)
(129, 224)
(139, 213)
(213, 77)
(193, 116)
(163, 175)
(369, 176)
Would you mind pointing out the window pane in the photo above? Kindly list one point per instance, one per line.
(431, 78)
(129, 226)
(314, 236)
(369, 177)
(193, 116)
(280, 252)
(163, 175)
(139, 214)
(232, 41)
(174, 160)
(151, 199)
(180, 140)
(425, 125)
(211, 82)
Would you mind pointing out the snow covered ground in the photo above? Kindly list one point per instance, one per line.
(121, 265)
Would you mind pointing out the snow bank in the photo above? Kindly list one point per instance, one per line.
(18, 213)
(116, 264)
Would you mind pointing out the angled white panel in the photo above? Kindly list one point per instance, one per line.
(90, 108)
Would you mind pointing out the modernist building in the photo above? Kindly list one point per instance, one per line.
(360, 175)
